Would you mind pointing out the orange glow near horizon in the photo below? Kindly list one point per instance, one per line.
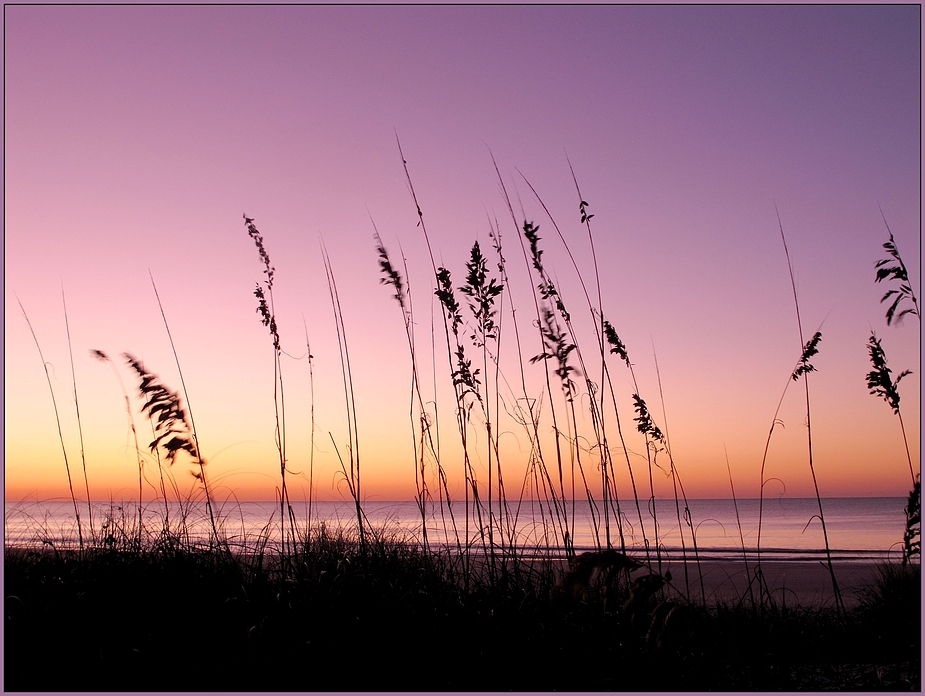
(38, 472)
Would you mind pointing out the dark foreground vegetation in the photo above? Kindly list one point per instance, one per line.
(337, 616)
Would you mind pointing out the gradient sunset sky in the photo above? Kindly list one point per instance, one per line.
(136, 137)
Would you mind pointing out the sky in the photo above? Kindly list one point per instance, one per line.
(138, 137)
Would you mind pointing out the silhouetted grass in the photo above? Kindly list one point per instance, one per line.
(804, 367)
(882, 384)
(361, 609)
(266, 308)
(54, 403)
(896, 270)
(342, 616)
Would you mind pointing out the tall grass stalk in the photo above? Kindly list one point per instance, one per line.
(460, 373)
(602, 334)
(80, 430)
(655, 443)
(433, 435)
(600, 328)
(775, 421)
(554, 346)
(494, 232)
(67, 466)
(550, 292)
(482, 292)
(311, 452)
(618, 348)
(677, 484)
(417, 412)
(201, 475)
(803, 370)
(735, 503)
(608, 479)
(537, 468)
(353, 439)
(426, 441)
(429, 425)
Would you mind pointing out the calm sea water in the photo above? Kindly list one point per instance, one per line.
(858, 528)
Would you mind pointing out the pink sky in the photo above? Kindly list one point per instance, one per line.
(136, 137)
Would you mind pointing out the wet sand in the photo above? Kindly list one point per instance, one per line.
(804, 583)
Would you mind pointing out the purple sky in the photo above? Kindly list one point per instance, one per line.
(137, 136)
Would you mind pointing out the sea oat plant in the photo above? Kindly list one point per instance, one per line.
(557, 347)
(482, 292)
(466, 384)
(895, 269)
(554, 346)
(602, 329)
(610, 496)
(173, 429)
(267, 311)
(608, 480)
(655, 443)
(810, 348)
(537, 471)
(912, 536)
(802, 366)
(882, 384)
(523, 410)
(103, 357)
(425, 442)
(189, 414)
(607, 336)
(618, 348)
(463, 378)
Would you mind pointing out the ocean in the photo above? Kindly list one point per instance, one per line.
(859, 529)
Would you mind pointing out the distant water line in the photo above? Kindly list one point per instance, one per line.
(860, 529)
